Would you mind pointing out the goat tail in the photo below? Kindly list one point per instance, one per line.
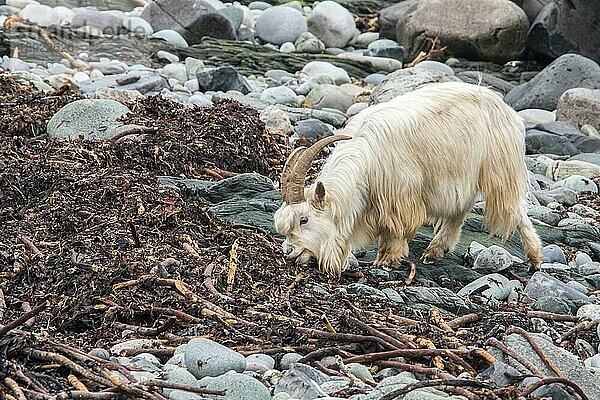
(503, 176)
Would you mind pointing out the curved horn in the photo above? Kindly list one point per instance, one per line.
(303, 157)
(288, 171)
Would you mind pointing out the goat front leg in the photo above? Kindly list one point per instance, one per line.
(445, 238)
(392, 250)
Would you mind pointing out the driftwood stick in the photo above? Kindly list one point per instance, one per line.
(23, 318)
(436, 382)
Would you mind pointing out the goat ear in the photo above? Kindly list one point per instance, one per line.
(320, 192)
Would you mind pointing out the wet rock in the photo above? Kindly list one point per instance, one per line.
(544, 90)
(312, 130)
(205, 358)
(541, 284)
(404, 81)
(331, 23)
(269, 26)
(89, 118)
(222, 79)
(193, 19)
(579, 107)
(460, 25)
(301, 381)
(237, 386)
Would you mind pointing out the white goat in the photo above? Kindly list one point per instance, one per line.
(423, 156)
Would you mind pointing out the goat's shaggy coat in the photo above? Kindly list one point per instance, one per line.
(423, 156)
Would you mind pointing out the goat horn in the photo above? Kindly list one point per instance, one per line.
(287, 171)
(299, 162)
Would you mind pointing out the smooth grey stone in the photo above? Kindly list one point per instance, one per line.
(309, 43)
(280, 95)
(497, 285)
(259, 5)
(172, 37)
(332, 23)
(580, 107)
(589, 312)
(541, 284)
(89, 118)
(316, 68)
(147, 83)
(578, 184)
(492, 259)
(237, 386)
(205, 358)
(582, 259)
(560, 195)
(312, 129)
(280, 24)
(592, 158)
(374, 79)
(444, 299)
(544, 214)
(553, 254)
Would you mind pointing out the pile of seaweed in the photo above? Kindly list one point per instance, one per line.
(93, 250)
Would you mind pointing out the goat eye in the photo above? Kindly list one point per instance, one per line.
(303, 220)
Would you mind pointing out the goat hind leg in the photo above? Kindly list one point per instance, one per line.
(532, 245)
(444, 239)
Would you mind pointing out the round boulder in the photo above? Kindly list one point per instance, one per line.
(90, 118)
(579, 107)
(280, 24)
(204, 357)
(494, 30)
(331, 23)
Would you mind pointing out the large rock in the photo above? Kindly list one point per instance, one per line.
(406, 80)
(193, 19)
(494, 30)
(269, 26)
(559, 138)
(389, 16)
(579, 107)
(541, 284)
(223, 79)
(332, 24)
(89, 118)
(543, 91)
(567, 26)
(564, 360)
(204, 357)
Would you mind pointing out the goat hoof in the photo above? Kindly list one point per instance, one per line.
(429, 259)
